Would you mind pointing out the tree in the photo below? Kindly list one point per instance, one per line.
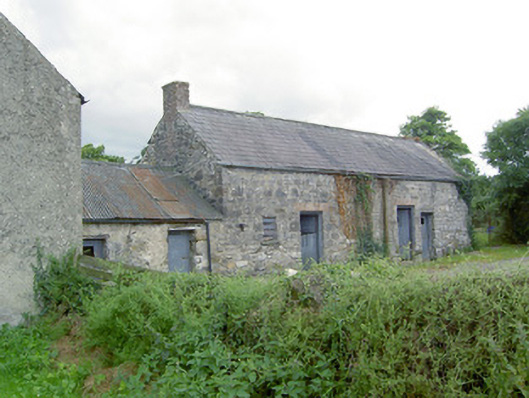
(507, 149)
(433, 128)
(90, 152)
(484, 206)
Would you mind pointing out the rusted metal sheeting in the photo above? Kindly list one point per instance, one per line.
(152, 184)
(137, 192)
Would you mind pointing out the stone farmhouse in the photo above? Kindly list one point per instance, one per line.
(281, 193)
(40, 173)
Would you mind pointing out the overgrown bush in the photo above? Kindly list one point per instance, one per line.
(128, 319)
(366, 247)
(373, 329)
(58, 284)
(366, 328)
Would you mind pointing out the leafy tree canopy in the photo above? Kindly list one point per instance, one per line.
(90, 152)
(507, 149)
(433, 128)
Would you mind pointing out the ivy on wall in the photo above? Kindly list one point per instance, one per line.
(354, 194)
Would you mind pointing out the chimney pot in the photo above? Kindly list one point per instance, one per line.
(175, 97)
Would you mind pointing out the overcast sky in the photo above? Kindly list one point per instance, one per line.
(364, 65)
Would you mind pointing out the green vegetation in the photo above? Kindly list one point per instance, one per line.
(433, 128)
(484, 255)
(507, 149)
(59, 287)
(28, 367)
(90, 152)
(501, 201)
(373, 329)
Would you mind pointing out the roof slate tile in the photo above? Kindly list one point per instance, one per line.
(246, 140)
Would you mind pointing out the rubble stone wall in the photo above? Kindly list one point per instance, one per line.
(174, 144)
(438, 198)
(145, 245)
(238, 240)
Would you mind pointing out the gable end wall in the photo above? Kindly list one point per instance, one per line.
(40, 167)
(175, 144)
(439, 198)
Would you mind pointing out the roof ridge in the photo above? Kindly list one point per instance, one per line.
(130, 165)
(250, 114)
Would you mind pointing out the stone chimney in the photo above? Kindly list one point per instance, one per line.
(175, 97)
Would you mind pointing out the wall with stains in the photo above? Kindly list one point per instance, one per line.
(40, 171)
(439, 198)
(145, 245)
(238, 241)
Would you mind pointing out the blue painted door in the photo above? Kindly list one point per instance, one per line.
(310, 238)
(427, 235)
(405, 225)
(179, 251)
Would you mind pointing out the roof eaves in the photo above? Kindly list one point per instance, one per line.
(345, 172)
(146, 220)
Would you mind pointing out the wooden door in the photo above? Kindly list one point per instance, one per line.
(310, 238)
(427, 235)
(405, 225)
(179, 251)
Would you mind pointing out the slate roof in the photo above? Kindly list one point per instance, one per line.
(246, 140)
(118, 192)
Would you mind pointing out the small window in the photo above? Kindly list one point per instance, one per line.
(269, 228)
(94, 248)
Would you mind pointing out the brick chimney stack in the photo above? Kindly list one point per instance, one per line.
(175, 97)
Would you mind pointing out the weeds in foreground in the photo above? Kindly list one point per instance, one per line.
(28, 367)
(369, 329)
(58, 285)
(373, 330)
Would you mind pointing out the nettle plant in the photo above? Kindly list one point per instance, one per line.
(58, 284)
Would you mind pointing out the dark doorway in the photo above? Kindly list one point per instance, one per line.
(179, 251)
(427, 235)
(405, 225)
(311, 237)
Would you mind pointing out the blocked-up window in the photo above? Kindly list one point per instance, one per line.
(269, 228)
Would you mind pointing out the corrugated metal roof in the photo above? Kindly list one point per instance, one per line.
(137, 192)
(246, 140)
